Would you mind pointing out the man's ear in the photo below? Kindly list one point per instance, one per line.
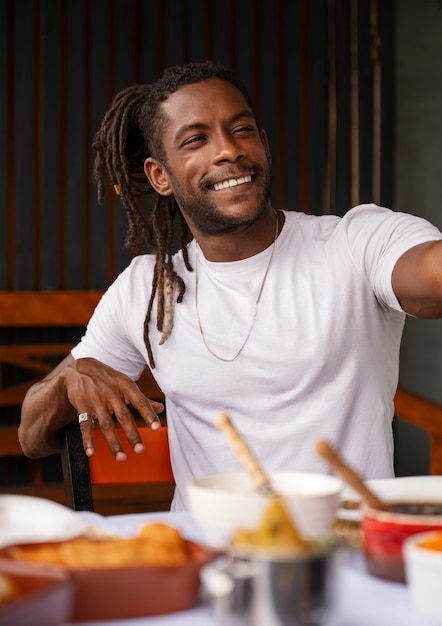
(265, 143)
(157, 176)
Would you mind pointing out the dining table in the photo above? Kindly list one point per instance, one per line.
(361, 599)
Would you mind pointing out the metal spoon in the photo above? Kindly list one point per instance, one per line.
(324, 449)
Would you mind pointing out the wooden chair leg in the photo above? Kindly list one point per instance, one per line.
(75, 469)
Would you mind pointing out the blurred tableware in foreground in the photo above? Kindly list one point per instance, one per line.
(122, 577)
(388, 489)
(38, 598)
(222, 503)
(416, 505)
(108, 594)
(280, 526)
(349, 475)
(423, 569)
(27, 519)
(264, 590)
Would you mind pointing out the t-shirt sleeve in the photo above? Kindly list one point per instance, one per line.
(377, 238)
(115, 328)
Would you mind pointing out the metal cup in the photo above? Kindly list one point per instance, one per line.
(260, 591)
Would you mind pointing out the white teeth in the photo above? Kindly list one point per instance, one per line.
(232, 182)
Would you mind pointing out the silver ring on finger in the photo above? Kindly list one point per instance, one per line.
(84, 417)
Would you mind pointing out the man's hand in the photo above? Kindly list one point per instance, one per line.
(105, 395)
(84, 386)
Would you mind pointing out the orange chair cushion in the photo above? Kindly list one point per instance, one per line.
(153, 466)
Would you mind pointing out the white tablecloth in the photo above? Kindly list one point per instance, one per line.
(362, 599)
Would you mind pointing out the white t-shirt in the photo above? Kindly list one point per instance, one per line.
(321, 360)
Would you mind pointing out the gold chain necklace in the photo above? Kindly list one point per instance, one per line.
(255, 311)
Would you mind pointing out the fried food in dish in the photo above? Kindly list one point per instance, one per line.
(155, 544)
(8, 589)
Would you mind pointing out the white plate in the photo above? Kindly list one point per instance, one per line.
(402, 488)
(27, 519)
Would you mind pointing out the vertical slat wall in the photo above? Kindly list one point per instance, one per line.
(61, 61)
(320, 73)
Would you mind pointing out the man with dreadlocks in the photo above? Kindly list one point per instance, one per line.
(291, 323)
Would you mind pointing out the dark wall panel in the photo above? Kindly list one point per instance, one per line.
(61, 62)
(5, 143)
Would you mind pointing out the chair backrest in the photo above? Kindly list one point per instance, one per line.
(425, 414)
(47, 308)
(81, 474)
(38, 310)
(27, 322)
(29, 343)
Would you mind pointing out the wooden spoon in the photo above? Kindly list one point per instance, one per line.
(324, 449)
(281, 518)
(244, 454)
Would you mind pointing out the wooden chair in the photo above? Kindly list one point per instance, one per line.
(27, 318)
(91, 480)
(38, 329)
(426, 415)
(143, 483)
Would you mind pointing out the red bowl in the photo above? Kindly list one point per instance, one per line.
(384, 533)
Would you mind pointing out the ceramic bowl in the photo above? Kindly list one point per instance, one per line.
(222, 503)
(43, 598)
(129, 591)
(108, 594)
(423, 571)
(384, 532)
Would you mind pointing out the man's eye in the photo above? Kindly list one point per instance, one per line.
(194, 140)
(244, 129)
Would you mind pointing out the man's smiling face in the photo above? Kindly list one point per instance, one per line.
(217, 160)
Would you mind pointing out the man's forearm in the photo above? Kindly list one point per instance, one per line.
(45, 411)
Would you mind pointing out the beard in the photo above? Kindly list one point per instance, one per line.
(205, 213)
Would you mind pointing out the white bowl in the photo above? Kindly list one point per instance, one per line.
(423, 570)
(222, 503)
(401, 489)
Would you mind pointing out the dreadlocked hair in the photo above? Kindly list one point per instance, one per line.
(131, 131)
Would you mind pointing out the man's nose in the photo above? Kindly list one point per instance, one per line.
(228, 148)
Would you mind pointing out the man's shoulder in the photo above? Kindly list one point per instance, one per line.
(299, 224)
(141, 268)
(309, 218)
(367, 210)
(355, 218)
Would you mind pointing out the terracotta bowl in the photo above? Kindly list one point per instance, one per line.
(132, 591)
(138, 591)
(44, 598)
